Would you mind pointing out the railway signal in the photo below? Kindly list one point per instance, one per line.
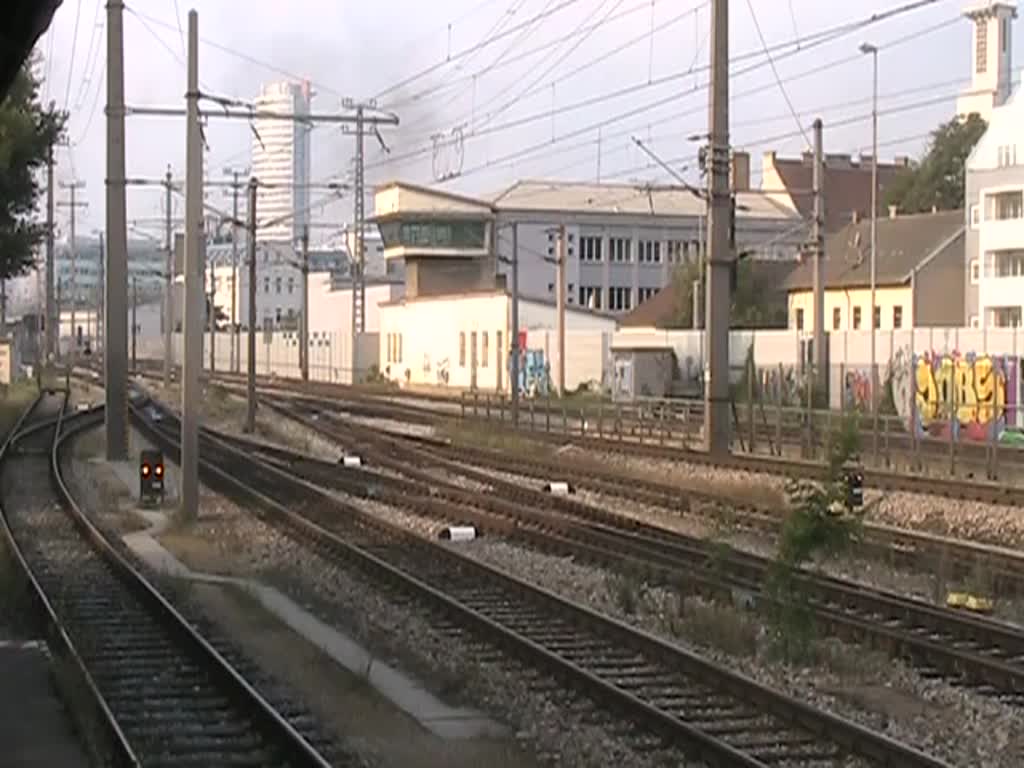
(151, 477)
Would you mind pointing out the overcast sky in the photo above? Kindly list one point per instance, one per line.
(575, 51)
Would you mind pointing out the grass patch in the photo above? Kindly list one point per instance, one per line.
(491, 438)
(15, 400)
(716, 626)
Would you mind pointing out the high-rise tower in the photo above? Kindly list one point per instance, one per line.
(991, 57)
(281, 160)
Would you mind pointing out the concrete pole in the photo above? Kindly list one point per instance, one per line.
(304, 319)
(516, 351)
(193, 337)
(211, 312)
(168, 286)
(115, 354)
(560, 305)
(695, 296)
(358, 260)
(135, 320)
(250, 413)
(717, 427)
(101, 299)
(234, 273)
(73, 205)
(52, 321)
(874, 245)
(817, 235)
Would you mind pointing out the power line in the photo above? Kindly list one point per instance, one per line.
(74, 46)
(775, 71)
(95, 101)
(809, 42)
(181, 33)
(90, 60)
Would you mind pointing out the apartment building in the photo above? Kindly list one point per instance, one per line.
(994, 188)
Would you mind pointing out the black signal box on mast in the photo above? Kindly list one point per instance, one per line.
(151, 477)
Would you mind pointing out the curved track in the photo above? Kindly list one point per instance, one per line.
(719, 716)
(160, 694)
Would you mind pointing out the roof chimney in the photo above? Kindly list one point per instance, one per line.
(740, 171)
(893, 211)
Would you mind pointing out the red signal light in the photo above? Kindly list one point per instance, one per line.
(159, 470)
(145, 470)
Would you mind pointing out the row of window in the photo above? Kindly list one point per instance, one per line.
(484, 349)
(999, 206)
(998, 264)
(837, 318)
(620, 250)
(620, 298)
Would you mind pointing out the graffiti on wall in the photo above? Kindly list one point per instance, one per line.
(857, 389)
(968, 393)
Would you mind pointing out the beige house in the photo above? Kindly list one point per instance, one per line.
(919, 276)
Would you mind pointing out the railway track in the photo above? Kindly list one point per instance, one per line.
(973, 651)
(150, 690)
(626, 441)
(717, 716)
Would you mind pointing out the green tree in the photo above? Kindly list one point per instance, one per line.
(27, 130)
(938, 178)
(757, 301)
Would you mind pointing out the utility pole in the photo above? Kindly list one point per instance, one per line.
(358, 258)
(235, 339)
(304, 319)
(250, 412)
(211, 311)
(560, 306)
(116, 351)
(717, 427)
(193, 332)
(101, 299)
(52, 319)
(73, 204)
(818, 237)
(135, 322)
(168, 284)
(516, 352)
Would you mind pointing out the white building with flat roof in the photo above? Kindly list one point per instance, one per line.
(281, 161)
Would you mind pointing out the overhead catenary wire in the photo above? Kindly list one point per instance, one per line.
(775, 71)
(74, 48)
(788, 48)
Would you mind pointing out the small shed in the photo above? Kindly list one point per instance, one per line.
(642, 371)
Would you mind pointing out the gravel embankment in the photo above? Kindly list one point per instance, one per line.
(976, 521)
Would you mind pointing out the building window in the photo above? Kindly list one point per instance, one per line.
(551, 287)
(590, 296)
(277, 285)
(981, 46)
(1007, 155)
(398, 354)
(1005, 317)
(291, 285)
(897, 317)
(620, 250)
(472, 349)
(675, 249)
(973, 322)
(877, 318)
(975, 216)
(620, 298)
(590, 249)
(837, 318)
(1004, 28)
(799, 319)
(1003, 206)
(390, 351)
(975, 271)
(649, 252)
(856, 318)
(277, 315)
(1004, 264)
(462, 349)
(266, 285)
(643, 294)
(485, 351)
(498, 347)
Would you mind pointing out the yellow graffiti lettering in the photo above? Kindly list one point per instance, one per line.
(974, 391)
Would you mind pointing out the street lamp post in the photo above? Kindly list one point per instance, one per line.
(871, 50)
